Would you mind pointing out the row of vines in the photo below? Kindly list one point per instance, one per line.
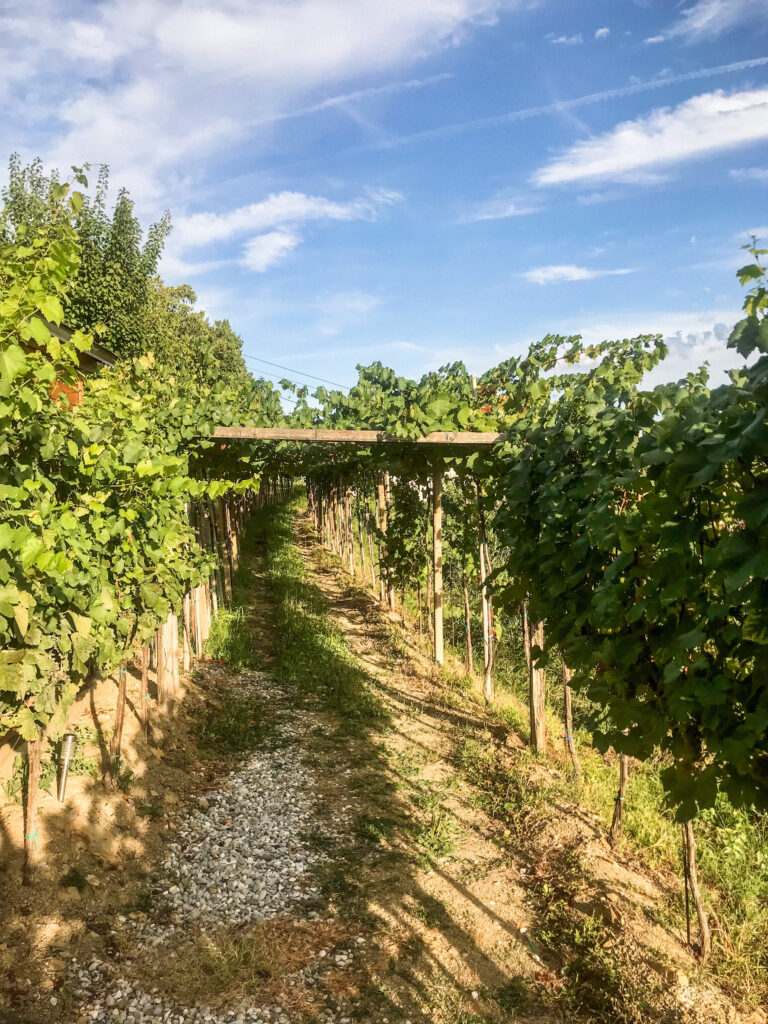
(114, 512)
(624, 527)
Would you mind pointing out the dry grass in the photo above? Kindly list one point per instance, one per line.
(221, 965)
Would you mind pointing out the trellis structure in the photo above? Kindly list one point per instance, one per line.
(464, 440)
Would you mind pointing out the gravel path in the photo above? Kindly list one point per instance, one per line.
(238, 857)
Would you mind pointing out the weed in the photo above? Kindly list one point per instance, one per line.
(233, 725)
(74, 877)
(375, 830)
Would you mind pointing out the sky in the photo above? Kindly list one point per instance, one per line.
(418, 181)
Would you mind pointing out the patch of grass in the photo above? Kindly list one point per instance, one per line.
(225, 964)
(517, 994)
(152, 808)
(233, 725)
(438, 832)
(144, 902)
(375, 830)
(313, 653)
(598, 985)
(430, 911)
(232, 640)
(504, 787)
(74, 877)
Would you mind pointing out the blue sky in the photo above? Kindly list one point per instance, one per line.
(418, 181)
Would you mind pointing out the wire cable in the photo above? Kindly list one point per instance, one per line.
(300, 373)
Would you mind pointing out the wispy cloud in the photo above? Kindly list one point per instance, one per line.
(602, 33)
(499, 209)
(558, 106)
(635, 150)
(281, 208)
(555, 273)
(276, 222)
(153, 86)
(708, 19)
(265, 251)
(758, 174)
(575, 40)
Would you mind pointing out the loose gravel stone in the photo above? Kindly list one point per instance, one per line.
(237, 856)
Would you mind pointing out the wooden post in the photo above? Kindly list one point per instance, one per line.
(691, 878)
(227, 534)
(117, 735)
(437, 560)
(537, 696)
(173, 646)
(31, 850)
(617, 825)
(526, 634)
(144, 691)
(370, 550)
(382, 498)
(486, 603)
(187, 656)
(349, 531)
(570, 742)
(390, 584)
(162, 666)
(467, 621)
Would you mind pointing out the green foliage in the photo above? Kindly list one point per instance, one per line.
(95, 537)
(636, 522)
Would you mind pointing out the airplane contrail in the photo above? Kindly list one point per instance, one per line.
(578, 101)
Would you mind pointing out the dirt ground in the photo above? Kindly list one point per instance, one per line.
(463, 915)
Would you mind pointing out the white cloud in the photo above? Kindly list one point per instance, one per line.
(499, 209)
(605, 196)
(708, 19)
(265, 251)
(759, 174)
(280, 208)
(154, 86)
(634, 149)
(692, 338)
(568, 272)
(602, 33)
(575, 40)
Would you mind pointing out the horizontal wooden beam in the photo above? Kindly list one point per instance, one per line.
(468, 438)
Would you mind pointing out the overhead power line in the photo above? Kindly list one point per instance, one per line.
(299, 373)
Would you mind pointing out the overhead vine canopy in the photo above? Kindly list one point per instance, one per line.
(634, 522)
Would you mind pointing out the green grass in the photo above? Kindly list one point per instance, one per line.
(312, 652)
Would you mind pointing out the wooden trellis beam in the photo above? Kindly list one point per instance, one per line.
(472, 439)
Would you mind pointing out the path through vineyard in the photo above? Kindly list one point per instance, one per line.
(419, 874)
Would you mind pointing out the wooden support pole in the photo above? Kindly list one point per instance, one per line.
(691, 877)
(349, 530)
(173, 643)
(467, 622)
(437, 561)
(31, 849)
(186, 618)
(617, 825)
(160, 668)
(382, 508)
(486, 602)
(144, 691)
(117, 736)
(570, 742)
(390, 584)
(537, 695)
